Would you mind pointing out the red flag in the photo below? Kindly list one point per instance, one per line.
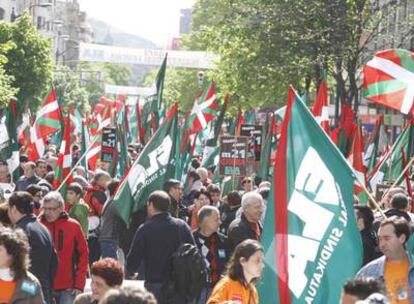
(64, 162)
(320, 107)
(356, 158)
(141, 131)
(47, 122)
(388, 80)
(240, 120)
(204, 109)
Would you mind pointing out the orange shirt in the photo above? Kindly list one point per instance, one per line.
(396, 281)
(6, 291)
(229, 290)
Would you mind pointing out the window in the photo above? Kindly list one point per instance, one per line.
(2, 11)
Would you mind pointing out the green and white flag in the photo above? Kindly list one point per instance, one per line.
(149, 172)
(376, 146)
(391, 166)
(311, 242)
(154, 99)
(9, 146)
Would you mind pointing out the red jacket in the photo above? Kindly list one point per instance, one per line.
(72, 251)
(95, 197)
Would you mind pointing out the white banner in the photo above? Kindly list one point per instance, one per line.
(131, 91)
(185, 59)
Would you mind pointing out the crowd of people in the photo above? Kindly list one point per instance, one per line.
(189, 244)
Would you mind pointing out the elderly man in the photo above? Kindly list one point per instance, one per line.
(212, 246)
(248, 226)
(71, 247)
(394, 267)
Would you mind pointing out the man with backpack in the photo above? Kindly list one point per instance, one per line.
(165, 245)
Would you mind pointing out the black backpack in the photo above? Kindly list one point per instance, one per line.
(188, 274)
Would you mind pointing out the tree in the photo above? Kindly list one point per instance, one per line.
(29, 61)
(7, 91)
(94, 76)
(180, 85)
(266, 45)
(69, 91)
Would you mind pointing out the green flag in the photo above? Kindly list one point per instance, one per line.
(151, 169)
(133, 124)
(391, 166)
(155, 98)
(121, 138)
(9, 146)
(311, 242)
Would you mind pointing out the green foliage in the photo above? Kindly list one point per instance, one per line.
(69, 91)
(264, 46)
(96, 75)
(117, 74)
(7, 91)
(29, 60)
(180, 85)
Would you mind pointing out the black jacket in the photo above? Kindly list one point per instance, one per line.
(240, 230)
(154, 243)
(228, 214)
(370, 246)
(42, 252)
(219, 242)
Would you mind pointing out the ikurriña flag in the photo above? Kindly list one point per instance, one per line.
(311, 242)
(389, 80)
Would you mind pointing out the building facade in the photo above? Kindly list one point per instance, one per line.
(59, 20)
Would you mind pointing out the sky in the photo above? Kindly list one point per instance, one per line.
(156, 20)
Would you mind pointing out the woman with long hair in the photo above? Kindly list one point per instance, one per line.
(243, 270)
(17, 284)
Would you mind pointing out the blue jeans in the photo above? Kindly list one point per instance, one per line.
(204, 295)
(108, 249)
(64, 296)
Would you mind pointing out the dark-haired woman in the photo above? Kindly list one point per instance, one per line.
(201, 198)
(244, 269)
(107, 274)
(17, 284)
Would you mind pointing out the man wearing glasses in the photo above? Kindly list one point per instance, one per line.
(71, 248)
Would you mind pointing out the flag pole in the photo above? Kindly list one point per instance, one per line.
(371, 198)
(78, 162)
(234, 164)
(400, 176)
